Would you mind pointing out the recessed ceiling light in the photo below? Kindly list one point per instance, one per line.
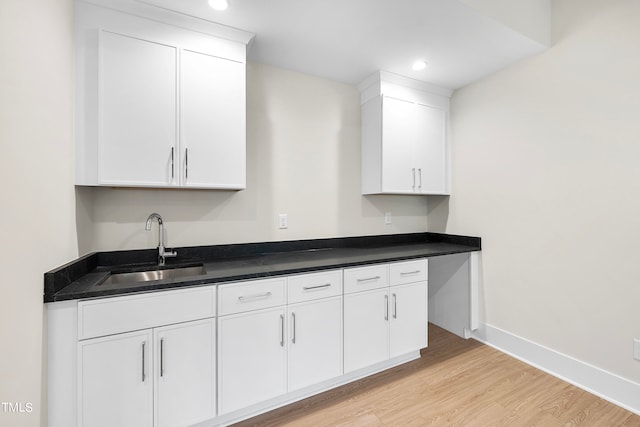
(219, 4)
(419, 65)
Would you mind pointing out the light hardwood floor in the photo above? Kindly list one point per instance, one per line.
(456, 382)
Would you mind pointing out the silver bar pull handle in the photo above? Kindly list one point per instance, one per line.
(293, 334)
(406, 273)
(309, 288)
(144, 345)
(386, 307)
(281, 330)
(161, 357)
(172, 164)
(366, 279)
(395, 306)
(186, 163)
(243, 298)
(414, 178)
(420, 176)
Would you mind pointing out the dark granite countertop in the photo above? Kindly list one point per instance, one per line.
(84, 277)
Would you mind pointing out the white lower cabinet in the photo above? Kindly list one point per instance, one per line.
(366, 329)
(252, 358)
(115, 383)
(315, 342)
(125, 379)
(272, 337)
(268, 348)
(387, 322)
(408, 318)
(185, 373)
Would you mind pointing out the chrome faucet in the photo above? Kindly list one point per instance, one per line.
(162, 254)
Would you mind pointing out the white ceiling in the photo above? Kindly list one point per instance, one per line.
(348, 40)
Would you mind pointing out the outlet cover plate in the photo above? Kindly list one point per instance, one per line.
(636, 348)
(387, 218)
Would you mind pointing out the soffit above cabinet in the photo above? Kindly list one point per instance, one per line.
(462, 40)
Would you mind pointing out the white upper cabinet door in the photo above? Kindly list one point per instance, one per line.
(398, 141)
(430, 149)
(315, 342)
(137, 111)
(366, 329)
(115, 386)
(414, 156)
(408, 318)
(185, 373)
(212, 121)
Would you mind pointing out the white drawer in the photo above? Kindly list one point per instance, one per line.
(107, 316)
(408, 272)
(366, 278)
(246, 296)
(306, 287)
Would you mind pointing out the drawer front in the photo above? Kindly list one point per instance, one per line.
(366, 278)
(306, 287)
(247, 296)
(408, 272)
(107, 316)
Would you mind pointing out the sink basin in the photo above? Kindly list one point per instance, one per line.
(153, 275)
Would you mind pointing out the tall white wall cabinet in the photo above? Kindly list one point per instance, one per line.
(405, 137)
(160, 102)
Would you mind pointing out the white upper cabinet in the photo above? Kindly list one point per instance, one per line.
(137, 131)
(404, 136)
(213, 121)
(160, 101)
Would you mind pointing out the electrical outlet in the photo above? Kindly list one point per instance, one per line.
(283, 221)
(636, 348)
(387, 218)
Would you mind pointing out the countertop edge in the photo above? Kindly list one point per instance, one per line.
(60, 278)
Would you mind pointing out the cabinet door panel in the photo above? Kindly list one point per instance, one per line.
(408, 327)
(431, 155)
(398, 136)
(111, 389)
(137, 109)
(213, 121)
(366, 329)
(315, 342)
(252, 363)
(185, 373)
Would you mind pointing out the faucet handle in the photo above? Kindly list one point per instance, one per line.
(170, 254)
(162, 255)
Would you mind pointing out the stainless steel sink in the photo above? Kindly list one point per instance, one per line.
(153, 275)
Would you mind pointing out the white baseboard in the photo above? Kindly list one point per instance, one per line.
(609, 386)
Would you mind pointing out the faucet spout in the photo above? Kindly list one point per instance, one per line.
(150, 220)
(162, 253)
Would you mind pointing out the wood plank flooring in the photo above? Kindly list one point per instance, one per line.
(456, 382)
